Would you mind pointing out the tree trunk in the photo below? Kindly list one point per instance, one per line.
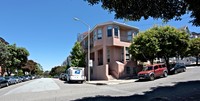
(8, 71)
(167, 62)
(151, 61)
(197, 60)
(23, 71)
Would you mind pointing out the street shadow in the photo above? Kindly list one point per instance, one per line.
(182, 91)
(65, 82)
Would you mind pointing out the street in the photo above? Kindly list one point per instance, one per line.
(174, 87)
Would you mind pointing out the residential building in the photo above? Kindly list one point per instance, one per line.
(191, 34)
(67, 61)
(194, 35)
(109, 43)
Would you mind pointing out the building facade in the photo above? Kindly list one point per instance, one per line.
(109, 43)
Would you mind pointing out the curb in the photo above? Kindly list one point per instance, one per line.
(113, 83)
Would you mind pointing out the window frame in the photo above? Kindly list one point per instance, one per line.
(99, 35)
(115, 31)
(129, 35)
(109, 30)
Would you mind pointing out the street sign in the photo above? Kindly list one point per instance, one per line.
(90, 63)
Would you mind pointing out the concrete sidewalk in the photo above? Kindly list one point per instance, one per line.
(111, 82)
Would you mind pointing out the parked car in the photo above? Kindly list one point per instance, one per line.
(27, 77)
(18, 78)
(177, 68)
(62, 76)
(153, 71)
(3, 82)
(11, 80)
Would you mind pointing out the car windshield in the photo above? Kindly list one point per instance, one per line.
(172, 65)
(7, 77)
(148, 68)
(176, 65)
(1, 78)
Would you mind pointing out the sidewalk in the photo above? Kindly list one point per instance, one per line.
(111, 82)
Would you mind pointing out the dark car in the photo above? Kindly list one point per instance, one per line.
(11, 80)
(3, 82)
(177, 68)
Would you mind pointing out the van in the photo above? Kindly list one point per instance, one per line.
(75, 74)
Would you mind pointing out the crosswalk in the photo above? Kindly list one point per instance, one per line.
(39, 85)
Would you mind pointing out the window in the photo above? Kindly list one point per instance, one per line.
(127, 54)
(128, 70)
(155, 67)
(129, 38)
(135, 33)
(116, 31)
(99, 34)
(95, 35)
(109, 31)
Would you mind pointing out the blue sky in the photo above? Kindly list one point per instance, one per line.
(47, 30)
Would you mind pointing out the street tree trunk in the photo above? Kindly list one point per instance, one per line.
(197, 60)
(167, 62)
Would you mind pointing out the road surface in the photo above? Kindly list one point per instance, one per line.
(183, 87)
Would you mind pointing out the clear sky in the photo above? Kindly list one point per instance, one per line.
(47, 30)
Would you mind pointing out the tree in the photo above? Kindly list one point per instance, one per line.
(145, 46)
(38, 69)
(77, 56)
(4, 55)
(57, 70)
(194, 48)
(172, 42)
(30, 67)
(12, 57)
(163, 42)
(164, 9)
(17, 58)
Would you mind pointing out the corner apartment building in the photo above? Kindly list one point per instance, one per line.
(109, 44)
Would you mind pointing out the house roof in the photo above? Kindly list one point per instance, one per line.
(115, 22)
(108, 23)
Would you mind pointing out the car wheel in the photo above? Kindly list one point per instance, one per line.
(152, 77)
(7, 84)
(165, 74)
(175, 72)
(184, 70)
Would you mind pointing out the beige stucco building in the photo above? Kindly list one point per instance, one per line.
(109, 44)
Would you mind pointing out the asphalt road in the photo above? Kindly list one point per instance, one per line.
(180, 87)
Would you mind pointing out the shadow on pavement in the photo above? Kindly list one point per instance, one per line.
(182, 91)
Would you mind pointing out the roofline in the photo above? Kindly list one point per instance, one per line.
(114, 22)
(110, 22)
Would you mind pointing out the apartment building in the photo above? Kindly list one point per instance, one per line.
(109, 43)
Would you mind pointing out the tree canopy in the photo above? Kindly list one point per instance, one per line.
(164, 9)
(57, 70)
(194, 48)
(32, 67)
(77, 56)
(163, 42)
(12, 57)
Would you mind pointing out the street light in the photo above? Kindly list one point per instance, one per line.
(77, 19)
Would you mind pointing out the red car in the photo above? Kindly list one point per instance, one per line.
(152, 71)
